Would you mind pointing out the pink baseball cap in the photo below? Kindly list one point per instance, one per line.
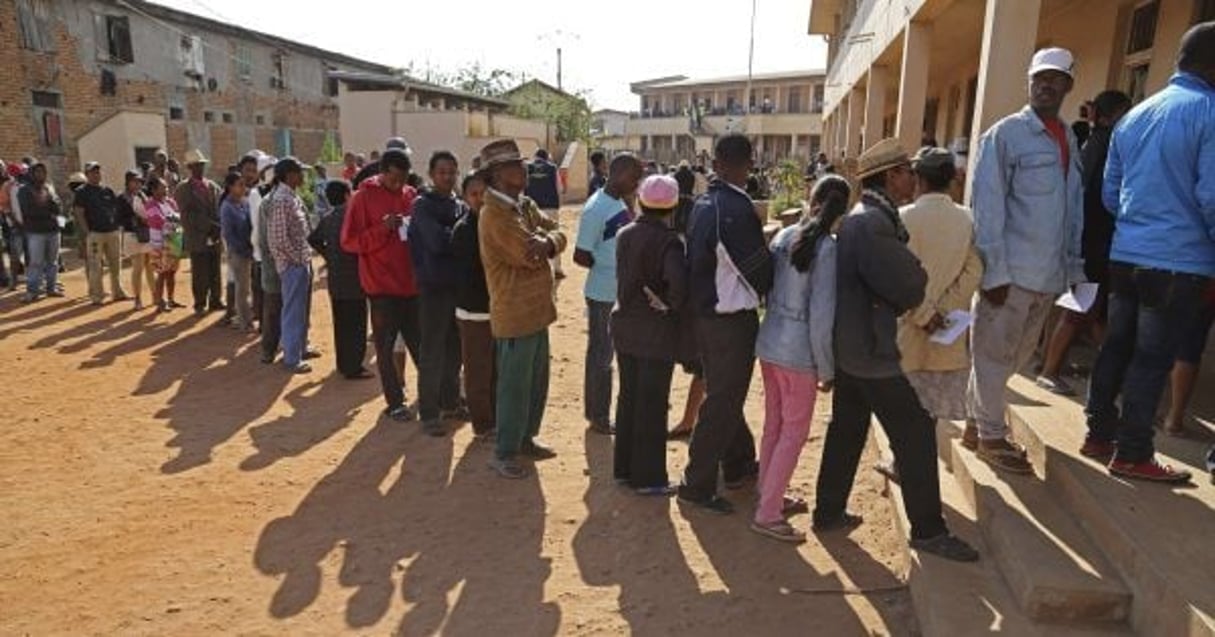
(659, 192)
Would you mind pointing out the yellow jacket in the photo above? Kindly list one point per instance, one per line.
(942, 238)
(522, 291)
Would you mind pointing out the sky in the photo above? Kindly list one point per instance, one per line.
(605, 45)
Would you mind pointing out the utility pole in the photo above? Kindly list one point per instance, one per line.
(559, 87)
(750, 66)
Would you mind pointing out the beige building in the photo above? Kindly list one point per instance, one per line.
(949, 69)
(373, 107)
(679, 118)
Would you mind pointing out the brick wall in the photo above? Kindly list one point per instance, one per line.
(84, 106)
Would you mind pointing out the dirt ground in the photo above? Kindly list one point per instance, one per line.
(155, 478)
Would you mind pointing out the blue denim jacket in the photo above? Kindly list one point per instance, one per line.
(800, 315)
(1160, 178)
(1029, 218)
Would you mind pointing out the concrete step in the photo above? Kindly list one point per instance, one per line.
(1054, 571)
(955, 600)
(1154, 535)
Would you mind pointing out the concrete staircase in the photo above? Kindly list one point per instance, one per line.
(1070, 551)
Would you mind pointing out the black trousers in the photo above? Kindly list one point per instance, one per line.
(390, 316)
(439, 365)
(349, 334)
(912, 434)
(721, 437)
(256, 274)
(641, 421)
(272, 324)
(205, 280)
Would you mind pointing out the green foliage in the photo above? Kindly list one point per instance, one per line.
(570, 113)
(787, 188)
(331, 152)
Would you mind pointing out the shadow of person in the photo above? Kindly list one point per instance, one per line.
(320, 409)
(44, 314)
(349, 509)
(201, 411)
(479, 568)
(146, 337)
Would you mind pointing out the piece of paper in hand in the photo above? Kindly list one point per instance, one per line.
(403, 230)
(1080, 299)
(956, 323)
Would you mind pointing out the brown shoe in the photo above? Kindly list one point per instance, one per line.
(970, 436)
(1005, 456)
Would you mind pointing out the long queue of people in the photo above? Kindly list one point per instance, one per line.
(462, 274)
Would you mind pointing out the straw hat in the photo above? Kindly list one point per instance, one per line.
(196, 157)
(881, 157)
(503, 151)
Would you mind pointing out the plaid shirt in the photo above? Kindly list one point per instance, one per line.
(287, 229)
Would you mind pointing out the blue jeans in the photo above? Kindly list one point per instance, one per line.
(297, 286)
(42, 265)
(1149, 312)
(597, 383)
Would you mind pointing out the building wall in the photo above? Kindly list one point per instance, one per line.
(113, 142)
(365, 118)
(244, 113)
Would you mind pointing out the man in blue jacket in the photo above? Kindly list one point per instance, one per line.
(724, 215)
(1029, 217)
(544, 189)
(1160, 178)
(434, 216)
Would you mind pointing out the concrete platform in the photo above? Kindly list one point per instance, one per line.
(953, 599)
(1157, 537)
(1053, 570)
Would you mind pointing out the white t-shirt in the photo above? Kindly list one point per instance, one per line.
(255, 204)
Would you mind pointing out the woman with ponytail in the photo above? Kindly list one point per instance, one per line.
(795, 350)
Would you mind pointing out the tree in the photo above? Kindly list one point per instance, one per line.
(570, 113)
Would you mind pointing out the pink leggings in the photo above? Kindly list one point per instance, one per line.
(789, 397)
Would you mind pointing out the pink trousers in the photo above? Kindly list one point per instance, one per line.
(789, 397)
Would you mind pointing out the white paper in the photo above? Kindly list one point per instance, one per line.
(956, 323)
(1080, 299)
(403, 230)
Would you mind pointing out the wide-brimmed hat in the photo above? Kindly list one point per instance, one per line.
(880, 157)
(76, 178)
(503, 151)
(196, 156)
(932, 157)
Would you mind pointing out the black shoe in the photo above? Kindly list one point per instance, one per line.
(362, 374)
(536, 450)
(845, 522)
(602, 428)
(948, 547)
(459, 413)
(712, 504)
(401, 413)
(266, 360)
(311, 353)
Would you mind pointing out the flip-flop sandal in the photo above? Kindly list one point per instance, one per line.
(659, 491)
(780, 531)
(794, 506)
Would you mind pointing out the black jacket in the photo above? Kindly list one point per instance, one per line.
(430, 225)
(741, 233)
(650, 255)
(877, 280)
(343, 266)
(39, 218)
(1098, 232)
(100, 206)
(472, 293)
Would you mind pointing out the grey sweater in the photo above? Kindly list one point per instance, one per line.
(877, 280)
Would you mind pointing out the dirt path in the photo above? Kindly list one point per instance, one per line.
(155, 478)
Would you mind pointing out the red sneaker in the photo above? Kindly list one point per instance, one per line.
(1149, 470)
(1098, 450)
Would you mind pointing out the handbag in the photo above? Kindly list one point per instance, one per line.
(734, 294)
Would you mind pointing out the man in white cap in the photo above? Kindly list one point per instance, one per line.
(1029, 215)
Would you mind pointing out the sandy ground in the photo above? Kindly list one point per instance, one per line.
(155, 478)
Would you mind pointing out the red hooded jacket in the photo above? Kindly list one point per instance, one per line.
(385, 265)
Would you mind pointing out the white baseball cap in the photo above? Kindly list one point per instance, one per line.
(1053, 59)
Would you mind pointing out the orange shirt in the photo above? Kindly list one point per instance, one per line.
(1059, 132)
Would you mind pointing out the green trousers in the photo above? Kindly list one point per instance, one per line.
(523, 367)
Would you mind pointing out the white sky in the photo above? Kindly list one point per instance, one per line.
(606, 45)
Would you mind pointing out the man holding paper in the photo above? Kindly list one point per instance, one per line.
(942, 238)
(1029, 215)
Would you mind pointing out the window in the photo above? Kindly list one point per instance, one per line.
(795, 99)
(816, 143)
(1205, 12)
(259, 119)
(209, 116)
(244, 63)
(1143, 27)
(177, 113)
(1136, 82)
(34, 23)
(817, 105)
(48, 112)
(114, 39)
(278, 66)
(190, 56)
(228, 117)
